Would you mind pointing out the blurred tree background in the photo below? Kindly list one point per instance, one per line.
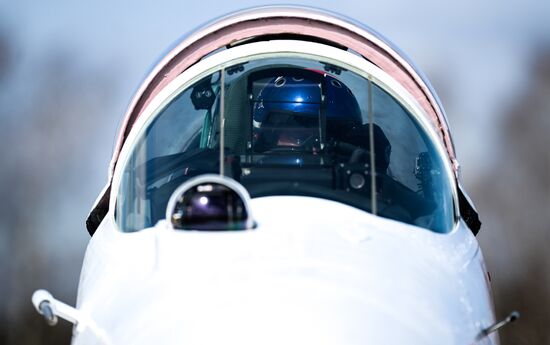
(514, 198)
(68, 71)
(49, 130)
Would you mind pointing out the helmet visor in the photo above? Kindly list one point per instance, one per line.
(284, 130)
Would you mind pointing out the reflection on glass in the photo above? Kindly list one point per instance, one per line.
(290, 129)
(210, 206)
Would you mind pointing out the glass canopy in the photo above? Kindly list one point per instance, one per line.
(290, 126)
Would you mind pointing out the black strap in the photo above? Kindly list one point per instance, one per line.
(468, 211)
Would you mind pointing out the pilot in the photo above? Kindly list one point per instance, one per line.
(286, 116)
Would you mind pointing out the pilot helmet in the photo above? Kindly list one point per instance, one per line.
(290, 105)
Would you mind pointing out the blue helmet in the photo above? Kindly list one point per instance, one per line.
(299, 109)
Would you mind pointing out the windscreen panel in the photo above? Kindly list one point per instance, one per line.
(178, 144)
(291, 126)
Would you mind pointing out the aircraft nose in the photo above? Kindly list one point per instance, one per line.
(277, 309)
(303, 277)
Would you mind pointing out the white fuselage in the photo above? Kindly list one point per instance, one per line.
(313, 271)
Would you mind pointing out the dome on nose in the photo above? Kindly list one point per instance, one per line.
(209, 203)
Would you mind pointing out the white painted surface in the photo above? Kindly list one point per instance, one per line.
(313, 271)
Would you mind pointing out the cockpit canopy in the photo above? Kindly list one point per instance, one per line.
(287, 125)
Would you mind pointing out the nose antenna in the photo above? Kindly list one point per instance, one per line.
(513, 316)
(52, 309)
